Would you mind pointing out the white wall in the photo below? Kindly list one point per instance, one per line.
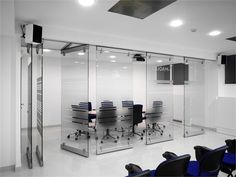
(9, 88)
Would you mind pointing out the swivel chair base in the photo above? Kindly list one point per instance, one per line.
(109, 136)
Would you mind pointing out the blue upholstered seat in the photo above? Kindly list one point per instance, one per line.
(229, 159)
(193, 170)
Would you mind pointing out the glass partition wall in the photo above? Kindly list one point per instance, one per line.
(114, 105)
(194, 95)
(159, 111)
(75, 104)
(39, 103)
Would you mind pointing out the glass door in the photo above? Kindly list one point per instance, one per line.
(26, 83)
(114, 105)
(159, 111)
(75, 105)
(194, 103)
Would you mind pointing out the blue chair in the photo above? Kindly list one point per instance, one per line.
(173, 166)
(229, 160)
(208, 161)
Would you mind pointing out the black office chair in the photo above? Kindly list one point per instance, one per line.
(208, 161)
(107, 120)
(81, 118)
(173, 166)
(154, 116)
(229, 160)
(137, 119)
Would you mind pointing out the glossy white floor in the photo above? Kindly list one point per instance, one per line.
(62, 163)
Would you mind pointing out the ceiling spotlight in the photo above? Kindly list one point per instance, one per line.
(176, 23)
(113, 61)
(86, 3)
(106, 51)
(46, 50)
(125, 67)
(159, 61)
(81, 53)
(112, 56)
(76, 62)
(214, 33)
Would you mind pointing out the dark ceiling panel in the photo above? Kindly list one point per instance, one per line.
(139, 8)
(232, 38)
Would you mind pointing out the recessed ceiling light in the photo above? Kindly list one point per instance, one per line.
(106, 51)
(125, 67)
(81, 53)
(113, 61)
(176, 23)
(76, 62)
(112, 56)
(214, 33)
(86, 3)
(159, 61)
(46, 50)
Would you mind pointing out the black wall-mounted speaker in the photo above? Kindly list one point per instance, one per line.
(33, 34)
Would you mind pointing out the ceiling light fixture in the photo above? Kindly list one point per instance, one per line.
(214, 33)
(46, 50)
(106, 51)
(159, 61)
(113, 61)
(176, 23)
(81, 53)
(125, 67)
(112, 56)
(86, 3)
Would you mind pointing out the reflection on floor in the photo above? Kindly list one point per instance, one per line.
(58, 162)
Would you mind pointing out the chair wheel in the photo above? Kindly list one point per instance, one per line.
(141, 138)
(143, 131)
(164, 126)
(122, 135)
(128, 138)
(76, 139)
(115, 141)
(88, 137)
(149, 134)
(161, 134)
(68, 136)
(141, 134)
(118, 137)
(101, 142)
(96, 138)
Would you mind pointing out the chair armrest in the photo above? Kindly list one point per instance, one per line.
(133, 168)
(169, 155)
(200, 151)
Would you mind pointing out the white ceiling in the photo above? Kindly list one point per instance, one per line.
(204, 15)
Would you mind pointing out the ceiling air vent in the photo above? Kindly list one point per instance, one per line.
(139, 8)
(232, 39)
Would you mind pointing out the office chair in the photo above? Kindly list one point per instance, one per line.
(127, 104)
(80, 117)
(107, 119)
(229, 160)
(208, 161)
(154, 116)
(137, 119)
(173, 166)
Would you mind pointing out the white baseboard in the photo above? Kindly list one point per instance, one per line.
(7, 168)
(226, 131)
